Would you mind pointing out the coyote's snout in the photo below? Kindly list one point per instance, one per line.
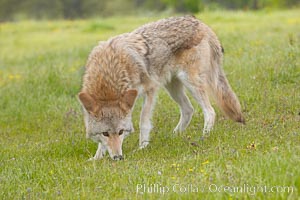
(174, 53)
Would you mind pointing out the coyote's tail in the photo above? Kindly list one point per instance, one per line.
(220, 87)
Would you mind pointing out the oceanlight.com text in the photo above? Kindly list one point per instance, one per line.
(157, 188)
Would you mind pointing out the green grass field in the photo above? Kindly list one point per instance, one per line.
(44, 152)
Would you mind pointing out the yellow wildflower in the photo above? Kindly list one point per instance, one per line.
(251, 146)
(205, 162)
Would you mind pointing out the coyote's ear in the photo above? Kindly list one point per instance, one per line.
(87, 101)
(129, 97)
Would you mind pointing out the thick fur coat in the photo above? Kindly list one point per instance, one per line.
(174, 53)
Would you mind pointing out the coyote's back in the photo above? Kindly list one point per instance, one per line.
(177, 32)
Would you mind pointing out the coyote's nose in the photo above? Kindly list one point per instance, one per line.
(120, 157)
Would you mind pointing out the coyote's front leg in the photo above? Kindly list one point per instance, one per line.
(99, 153)
(145, 119)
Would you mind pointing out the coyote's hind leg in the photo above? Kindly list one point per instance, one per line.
(176, 91)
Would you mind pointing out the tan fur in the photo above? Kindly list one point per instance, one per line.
(175, 53)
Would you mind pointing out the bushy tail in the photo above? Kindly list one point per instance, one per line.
(221, 90)
(227, 100)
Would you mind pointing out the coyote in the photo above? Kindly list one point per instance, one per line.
(174, 53)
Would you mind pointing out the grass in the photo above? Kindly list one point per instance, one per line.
(43, 150)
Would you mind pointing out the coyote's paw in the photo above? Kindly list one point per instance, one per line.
(94, 158)
(206, 132)
(143, 144)
(176, 131)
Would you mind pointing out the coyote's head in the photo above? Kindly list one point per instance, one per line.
(108, 121)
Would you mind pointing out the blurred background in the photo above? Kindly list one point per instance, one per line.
(13, 10)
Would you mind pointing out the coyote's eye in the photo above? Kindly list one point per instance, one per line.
(121, 132)
(105, 134)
